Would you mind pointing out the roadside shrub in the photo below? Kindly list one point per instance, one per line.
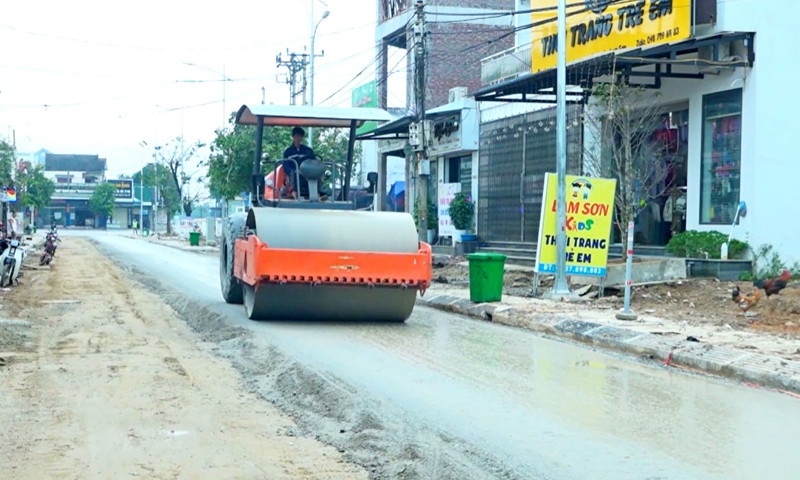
(769, 264)
(461, 211)
(433, 215)
(694, 244)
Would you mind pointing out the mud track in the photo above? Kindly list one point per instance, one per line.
(382, 438)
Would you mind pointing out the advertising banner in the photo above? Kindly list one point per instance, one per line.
(447, 192)
(590, 217)
(595, 26)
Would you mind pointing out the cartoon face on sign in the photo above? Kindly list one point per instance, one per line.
(597, 6)
(583, 186)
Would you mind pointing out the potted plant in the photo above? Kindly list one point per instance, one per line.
(461, 213)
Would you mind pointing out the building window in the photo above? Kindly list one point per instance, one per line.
(721, 159)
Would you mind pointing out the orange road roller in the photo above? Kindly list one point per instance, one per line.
(305, 252)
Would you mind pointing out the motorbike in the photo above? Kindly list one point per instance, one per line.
(50, 246)
(11, 258)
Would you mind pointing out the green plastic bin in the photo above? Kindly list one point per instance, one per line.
(146, 232)
(194, 239)
(486, 277)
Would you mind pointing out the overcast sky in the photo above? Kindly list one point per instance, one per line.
(113, 73)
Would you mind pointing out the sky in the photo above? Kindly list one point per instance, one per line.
(100, 77)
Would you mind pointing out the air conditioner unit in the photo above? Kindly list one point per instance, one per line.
(456, 94)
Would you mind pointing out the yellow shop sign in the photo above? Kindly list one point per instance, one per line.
(595, 26)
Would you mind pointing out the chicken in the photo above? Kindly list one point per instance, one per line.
(745, 302)
(773, 285)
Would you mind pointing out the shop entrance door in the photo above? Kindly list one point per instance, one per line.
(665, 214)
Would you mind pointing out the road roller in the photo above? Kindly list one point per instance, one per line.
(305, 252)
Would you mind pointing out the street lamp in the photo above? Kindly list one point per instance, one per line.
(314, 54)
(224, 80)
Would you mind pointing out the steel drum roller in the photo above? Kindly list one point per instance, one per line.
(334, 230)
(349, 231)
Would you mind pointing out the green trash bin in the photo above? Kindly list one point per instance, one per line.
(145, 232)
(486, 277)
(194, 239)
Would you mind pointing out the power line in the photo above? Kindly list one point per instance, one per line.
(166, 49)
(79, 104)
(400, 33)
(378, 82)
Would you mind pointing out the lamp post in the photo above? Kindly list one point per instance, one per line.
(224, 80)
(314, 54)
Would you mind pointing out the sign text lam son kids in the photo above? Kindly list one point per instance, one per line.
(590, 211)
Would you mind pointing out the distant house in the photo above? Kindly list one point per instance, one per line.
(76, 177)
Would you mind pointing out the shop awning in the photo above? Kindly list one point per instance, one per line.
(655, 62)
(396, 129)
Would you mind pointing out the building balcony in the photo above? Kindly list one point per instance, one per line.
(506, 65)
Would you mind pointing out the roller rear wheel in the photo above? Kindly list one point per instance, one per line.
(230, 285)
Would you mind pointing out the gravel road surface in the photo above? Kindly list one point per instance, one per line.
(99, 379)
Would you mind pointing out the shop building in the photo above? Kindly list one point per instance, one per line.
(459, 34)
(75, 178)
(720, 71)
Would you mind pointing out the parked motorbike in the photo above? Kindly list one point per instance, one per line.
(11, 258)
(50, 246)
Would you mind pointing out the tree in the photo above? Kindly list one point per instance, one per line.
(7, 161)
(176, 156)
(160, 177)
(230, 163)
(102, 200)
(34, 189)
(620, 122)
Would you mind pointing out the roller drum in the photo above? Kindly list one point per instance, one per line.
(380, 232)
(337, 230)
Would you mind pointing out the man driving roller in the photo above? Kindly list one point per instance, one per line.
(306, 153)
(296, 148)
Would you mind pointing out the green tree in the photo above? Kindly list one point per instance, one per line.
(7, 161)
(34, 189)
(230, 163)
(176, 156)
(160, 177)
(621, 119)
(102, 200)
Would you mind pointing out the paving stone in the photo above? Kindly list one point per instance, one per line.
(714, 359)
(477, 310)
(462, 305)
(575, 327)
(612, 335)
(652, 344)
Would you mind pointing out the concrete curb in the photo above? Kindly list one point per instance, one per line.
(186, 248)
(767, 371)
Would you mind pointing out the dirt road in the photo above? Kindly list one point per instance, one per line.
(101, 380)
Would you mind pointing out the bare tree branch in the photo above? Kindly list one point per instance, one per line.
(620, 123)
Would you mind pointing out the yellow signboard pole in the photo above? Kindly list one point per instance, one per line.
(560, 286)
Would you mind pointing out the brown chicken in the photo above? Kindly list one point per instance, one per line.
(773, 286)
(745, 302)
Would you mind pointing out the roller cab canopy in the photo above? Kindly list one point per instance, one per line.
(309, 116)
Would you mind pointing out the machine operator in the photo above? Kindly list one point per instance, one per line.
(297, 148)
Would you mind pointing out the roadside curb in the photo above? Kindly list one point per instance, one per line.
(186, 248)
(764, 370)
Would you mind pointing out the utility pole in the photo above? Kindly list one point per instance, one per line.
(296, 64)
(560, 286)
(314, 55)
(419, 134)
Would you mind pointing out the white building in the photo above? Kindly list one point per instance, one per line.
(725, 79)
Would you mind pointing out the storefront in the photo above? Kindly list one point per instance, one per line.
(68, 213)
(720, 146)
